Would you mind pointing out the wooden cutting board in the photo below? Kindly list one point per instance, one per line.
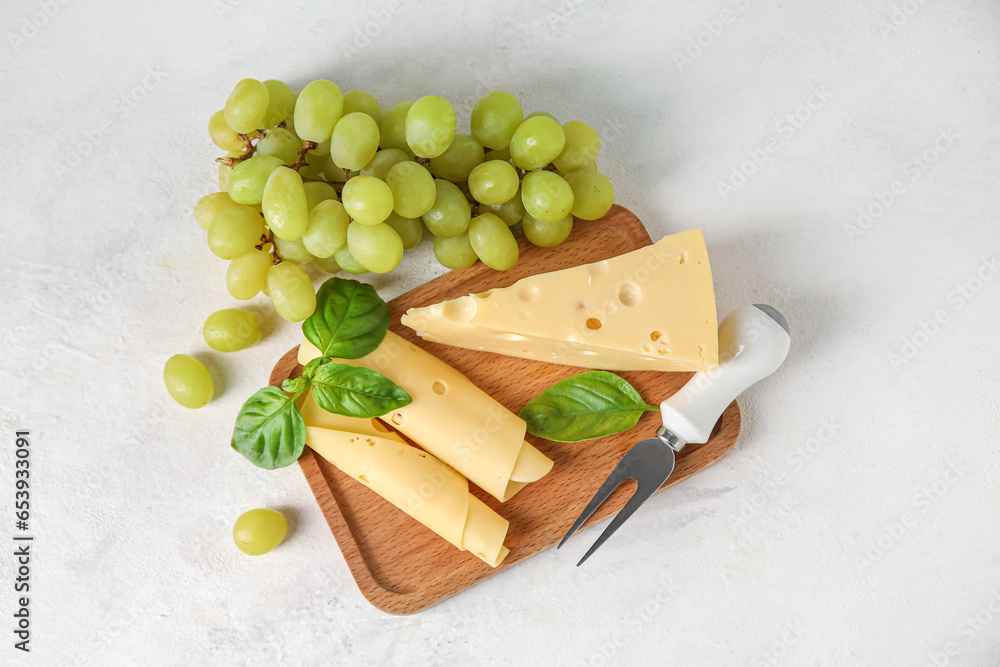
(401, 566)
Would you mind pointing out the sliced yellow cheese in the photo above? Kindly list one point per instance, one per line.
(650, 309)
(453, 419)
(313, 415)
(419, 484)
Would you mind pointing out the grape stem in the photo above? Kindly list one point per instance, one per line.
(268, 238)
(301, 162)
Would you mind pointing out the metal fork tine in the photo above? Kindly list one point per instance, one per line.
(642, 493)
(617, 476)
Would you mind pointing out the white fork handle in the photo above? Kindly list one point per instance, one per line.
(753, 342)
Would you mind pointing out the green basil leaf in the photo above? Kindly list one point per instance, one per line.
(583, 407)
(350, 319)
(295, 385)
(309, 370)
(270, 431)
(356, 392)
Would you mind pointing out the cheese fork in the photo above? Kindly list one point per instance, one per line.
(753, 342)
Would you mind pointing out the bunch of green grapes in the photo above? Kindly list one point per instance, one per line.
(339, 182)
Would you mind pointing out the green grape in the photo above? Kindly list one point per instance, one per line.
(546, 196)
(589, 165)
(327, 232)
(582, 146)
(247, 180)
(450, 214)
(430, 126)
(222, 135)
(235, 232)
(354, 141)
(367, 200)
(499, 154)
(455, 252)
(280, 102)
(317, 110)
(495, 117)
(493, 182)
(392, 129)
(284, 204)
(188, 381)
(210, 206)
(317, 191)
(493, 241)
(247, 274)
(326, 264)
(323, 148)
(359, 100)
(593, 194)
(455, 164)
(383, 161)
(280, 143)
(313, 167)
(546, 234)
(291, 291)
(231, 329)
(412, 187)
(511, 211)
(332, 173)
(378, 248)
(347, 262)
(545, 114)
(410, 230)
(293, 251)
(536, 142)
(247, 105)
(258, 531)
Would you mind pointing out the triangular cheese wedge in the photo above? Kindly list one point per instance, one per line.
(650, 309)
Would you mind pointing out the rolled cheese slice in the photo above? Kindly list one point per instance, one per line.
(453, 419)
(428, 490)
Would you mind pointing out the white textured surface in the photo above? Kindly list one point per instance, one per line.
(755, 562)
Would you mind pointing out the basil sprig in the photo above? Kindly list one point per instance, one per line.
(350, 321)
(584, 407)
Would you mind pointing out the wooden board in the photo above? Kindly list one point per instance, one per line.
(401, 566)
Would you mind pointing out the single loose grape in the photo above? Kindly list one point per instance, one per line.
(247, 180)
(367, 199)
(392, 129)
(412, 187)
(493, 182)
(593, 194)
(210, 206)
(410, 230)
(247, 274)
(450, 213)
(327, 231)
(284, 204)
(511, 211)
(327, 264)
(354, 141)
(247, 105)
(280, 143)
(360, 101)
(317, 110)
(455, 252)
(235, 232)
(187, 381)
(430, 126)
(383, 161)
(378, 248)
(258, 531)
(347, 261)
(459, 160)
(291, 291)
(280, 102)
(546, 196)
(546, 234)
(536, 142)
(582, 147)
(222, 135)
(495, 117)
(493, 241)
(293, 251)
(317, 191)
(231, 329)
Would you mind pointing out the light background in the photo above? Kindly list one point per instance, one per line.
(857, 521)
